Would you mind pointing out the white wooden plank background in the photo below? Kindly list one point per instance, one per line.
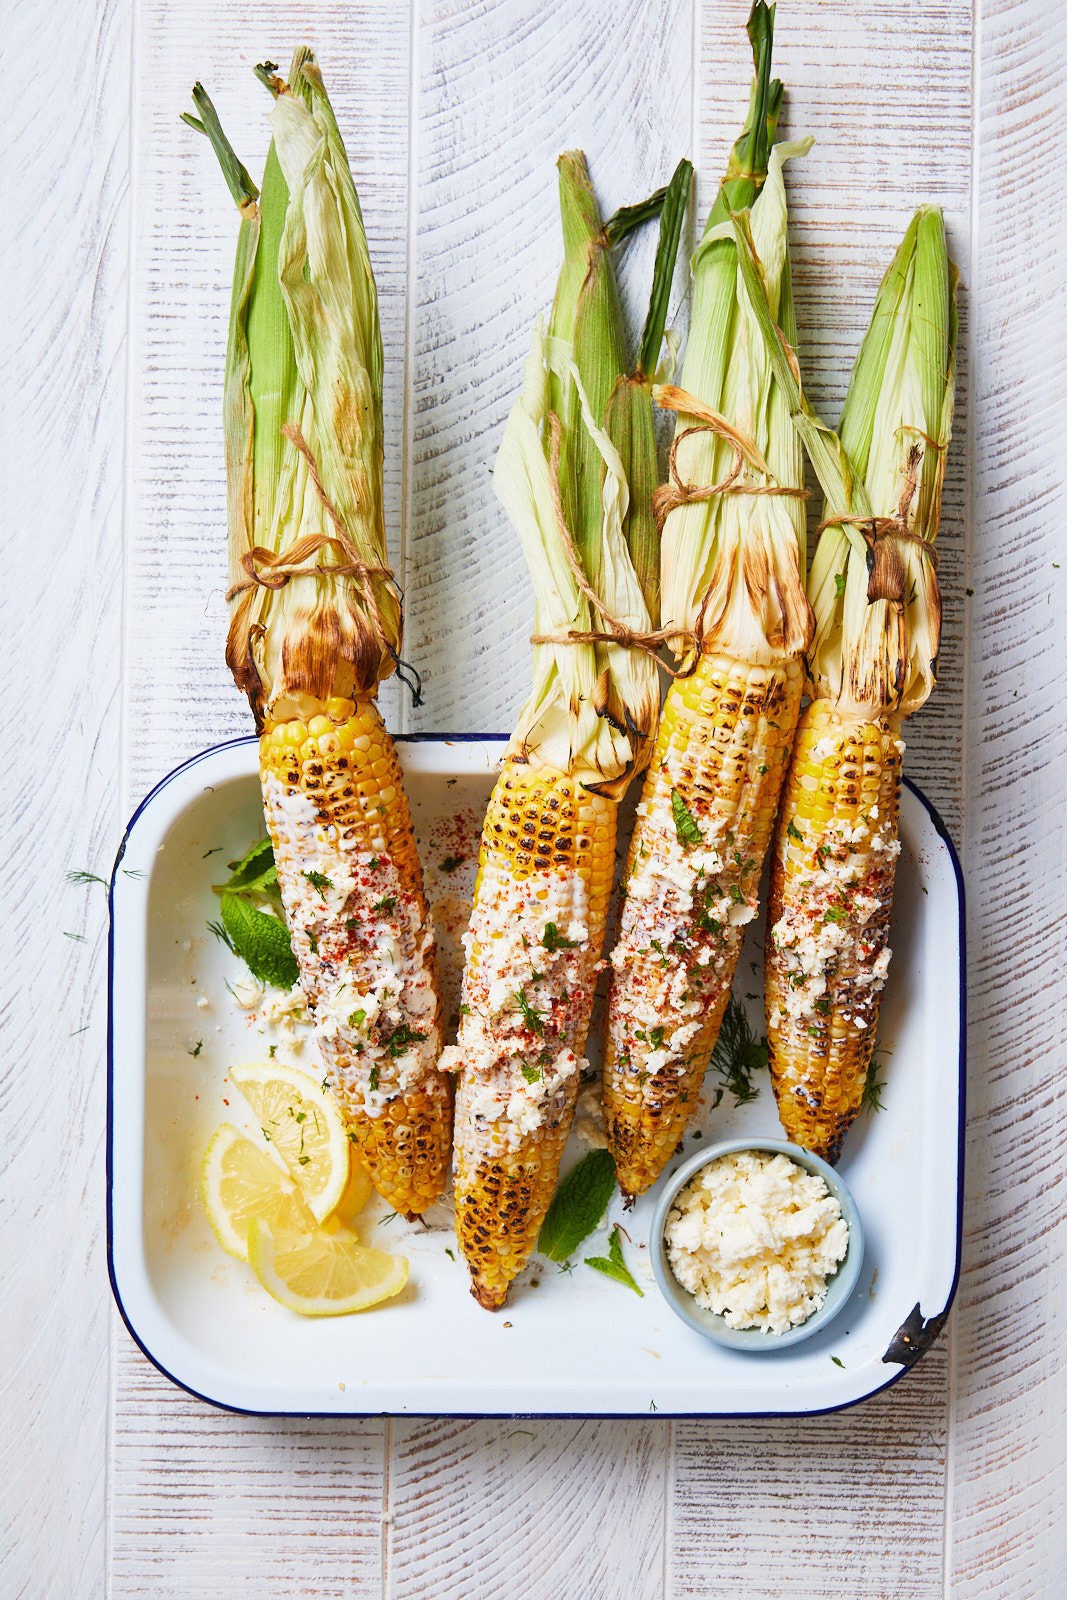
(952, 1481)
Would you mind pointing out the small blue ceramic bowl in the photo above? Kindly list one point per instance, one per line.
(712, 1326)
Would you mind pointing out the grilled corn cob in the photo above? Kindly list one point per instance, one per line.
(544, 877)
(548, 843)
(732, 588)
(831, 894)
(315, 626)
(875, 595)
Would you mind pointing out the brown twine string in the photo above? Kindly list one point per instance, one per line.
(613, 631)
(896, 527)
(669, 496)
(267, 570)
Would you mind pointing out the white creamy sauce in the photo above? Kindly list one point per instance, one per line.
(754, 1238)
(364, 948)
(682, 922)
(525, 1003)
(827, 931)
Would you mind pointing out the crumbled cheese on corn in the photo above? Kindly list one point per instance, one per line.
(524, 1002)
(364, 945)
(754, 1238)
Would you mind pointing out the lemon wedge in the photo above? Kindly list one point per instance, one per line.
(239, 1181)
(357, 1191)
(322, 1272)
(303, 1122)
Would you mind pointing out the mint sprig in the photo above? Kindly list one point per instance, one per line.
(612, 1265)
(261, 940)
(577, 1206)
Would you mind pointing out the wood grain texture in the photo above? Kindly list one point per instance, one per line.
(559, 1510)
(210, 1504)
(1009, 1467)
(804, 1508)
(64, 295)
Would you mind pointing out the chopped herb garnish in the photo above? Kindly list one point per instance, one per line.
(81, 876)
(400, 1040)
(613, 1265)
(531, 1074)
(387, 905)
(374, 863)
(79, 938)
(312, 941)
(685, 823)
(319, 881)
(450, 783)
(451, 863)
(448, 1252)
(356, 1019)
(529, 1015)
(794, 832)
(553, 940)
(833, 914)
(198, 1046)
(375, 1078)
(273, 1051)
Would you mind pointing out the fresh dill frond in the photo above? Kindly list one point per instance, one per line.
(875, 1083)
(739, 1054)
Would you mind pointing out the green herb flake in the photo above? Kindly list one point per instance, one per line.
(81, 876)
(451, 863)
(273, 1051)
(387, 905)
(577, 1206)
(834, 914)
(553, 940)
(402, 1039)
(198, 1046)
(449, 1253)
(794, 832)
(356, 1019)
(529, 1015)
(612, 1265)
(685, 823)
(531, 1074)
(375, 1078)
(837, 1361)
(319, 881)
(874, 1083)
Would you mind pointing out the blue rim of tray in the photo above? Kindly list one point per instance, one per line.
(910, 1343)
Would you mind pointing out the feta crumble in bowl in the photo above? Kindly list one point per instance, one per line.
(756, 1244)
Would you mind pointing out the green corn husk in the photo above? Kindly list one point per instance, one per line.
(710, 545)
(594, 705)
(877, 602)
(304, 353)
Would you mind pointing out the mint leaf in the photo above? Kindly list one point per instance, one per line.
(684, 821)
(577, 1205)
(612, 1265)
(255, 870)
(261, 941)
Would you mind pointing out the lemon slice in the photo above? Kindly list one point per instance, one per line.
(357, 1192)
(322, 1273)
(303, 1122)
(239, 1181)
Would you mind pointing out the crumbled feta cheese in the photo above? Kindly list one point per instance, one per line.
(754, 1238)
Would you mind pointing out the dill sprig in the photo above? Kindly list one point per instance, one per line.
(738, 1054)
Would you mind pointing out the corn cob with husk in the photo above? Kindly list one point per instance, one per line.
(316, 625)
(733, 600)
(548, 843)
(874, 590)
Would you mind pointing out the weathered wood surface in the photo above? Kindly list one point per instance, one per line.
(952, 1481)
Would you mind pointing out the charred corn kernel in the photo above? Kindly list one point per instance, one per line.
(540, 903)
(827, 950)
(352, 888)
(703, 827)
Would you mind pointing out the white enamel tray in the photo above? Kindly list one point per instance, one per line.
(573, 1343)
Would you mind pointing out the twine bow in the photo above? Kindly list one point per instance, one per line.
(266, 569)
(885, 569)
